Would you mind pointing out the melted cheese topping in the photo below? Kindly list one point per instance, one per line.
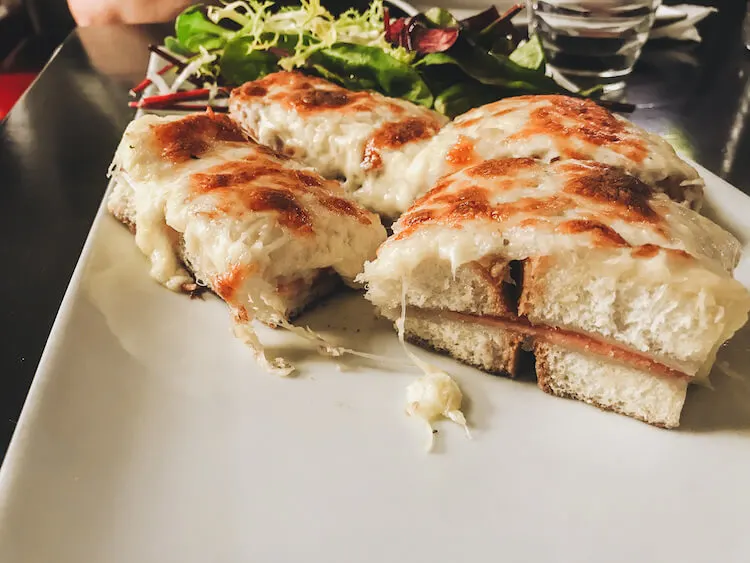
(250, 220)
(551, 128)
(362, 137)
(522, 207)
(608, 225)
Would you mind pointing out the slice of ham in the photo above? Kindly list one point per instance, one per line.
(561, 337)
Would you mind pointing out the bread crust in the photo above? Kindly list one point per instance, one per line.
(496, 351)
(304, 297)
(548, 381)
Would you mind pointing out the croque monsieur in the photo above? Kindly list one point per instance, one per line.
(622, 294)
(551, 128)
(209, 206)
(390, 151)
(363, 138)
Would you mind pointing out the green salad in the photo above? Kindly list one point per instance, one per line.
(431, 59)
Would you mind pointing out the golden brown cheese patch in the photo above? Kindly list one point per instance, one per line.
(252, 90)
(467, 121)
(261, 87)
(565, 118)
(309, 95)
(469, 193)
(472, 203)
(317, 98)
(651, 250)
(600, 233)
(462, 153)
(266, 184)
(341, 206)
(620, 194)
(288, 210)
(645, 251)
(241, 190)
(541, 207)
(497, 167)
(495, 109)
(466, 204)
(601, 192)
(191, 137)
(415, 218)
(396, 134)
(505, 173)
(442, 185)
(371, 159)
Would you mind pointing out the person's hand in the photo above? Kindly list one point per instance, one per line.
(103, 12)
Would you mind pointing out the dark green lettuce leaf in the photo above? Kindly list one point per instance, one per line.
(239, 63)
(463, 96)
(174, 46)
(492, 69)
(362, 67)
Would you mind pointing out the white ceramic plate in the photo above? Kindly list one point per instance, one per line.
(150, 435)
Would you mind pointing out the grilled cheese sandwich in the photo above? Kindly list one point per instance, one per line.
(570, 257)
(210, 206)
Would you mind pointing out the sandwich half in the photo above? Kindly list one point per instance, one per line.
(363, 138)
(210, 207)
(551, 128)
(623, 295)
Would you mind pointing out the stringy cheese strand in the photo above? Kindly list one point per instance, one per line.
(435, 393)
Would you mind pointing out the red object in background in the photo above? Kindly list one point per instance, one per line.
(11, 87)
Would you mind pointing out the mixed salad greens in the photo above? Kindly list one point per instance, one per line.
(431, 59)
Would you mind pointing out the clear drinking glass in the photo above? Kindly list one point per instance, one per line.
(592, 41)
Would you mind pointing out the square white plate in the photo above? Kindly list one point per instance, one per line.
(150, 435)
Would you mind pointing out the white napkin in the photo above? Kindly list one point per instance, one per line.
(683, 29)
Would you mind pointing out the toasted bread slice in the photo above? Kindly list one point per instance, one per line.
(629, 304)
(494, 350)
(477, 288)
(609, 385)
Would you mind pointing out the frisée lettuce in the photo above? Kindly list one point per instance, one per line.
(431, 59)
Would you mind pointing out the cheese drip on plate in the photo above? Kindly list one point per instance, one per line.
(433, 395)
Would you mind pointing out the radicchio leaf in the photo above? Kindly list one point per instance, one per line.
(413, 34)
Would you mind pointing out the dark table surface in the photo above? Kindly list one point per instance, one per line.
(56, 145)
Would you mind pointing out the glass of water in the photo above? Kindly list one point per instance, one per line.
(592, 41)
